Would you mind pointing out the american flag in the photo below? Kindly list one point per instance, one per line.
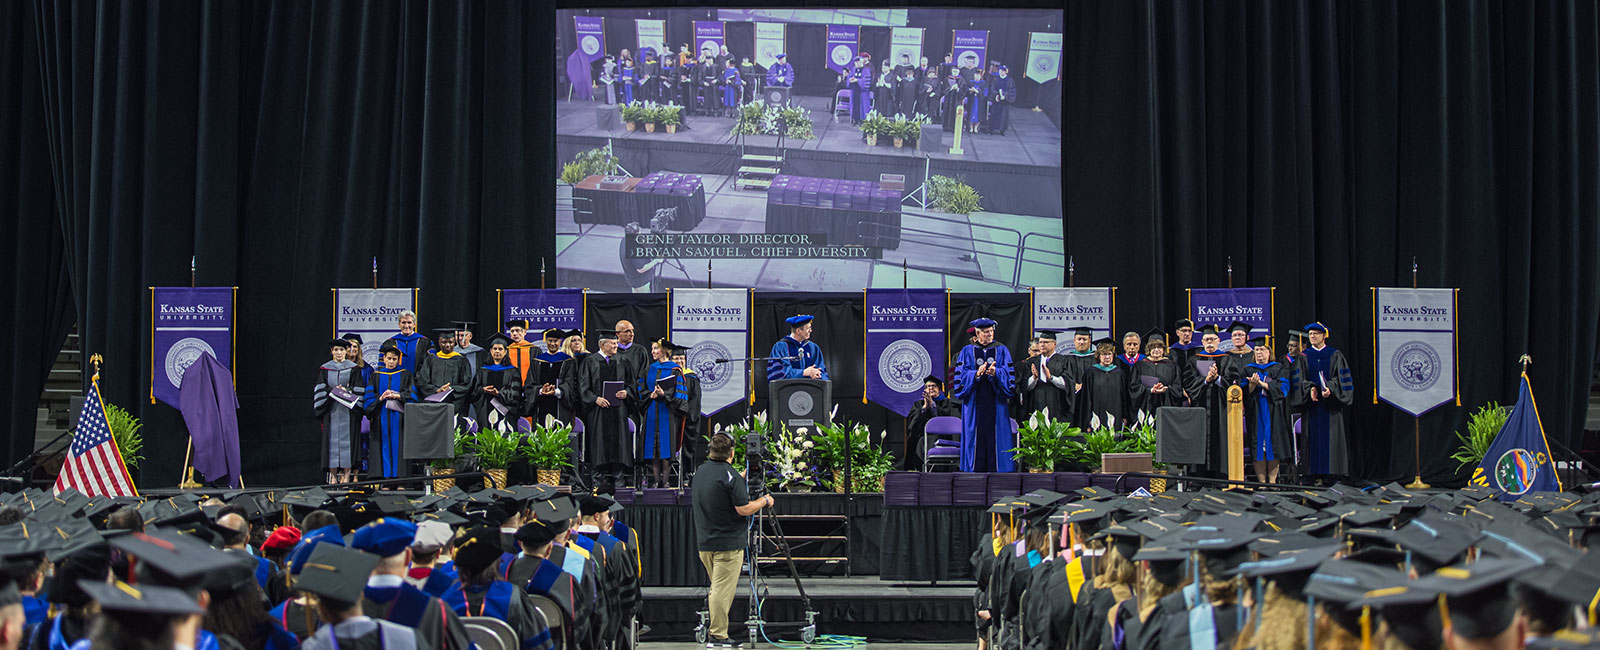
(94, 466)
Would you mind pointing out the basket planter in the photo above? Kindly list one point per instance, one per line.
(838, 481)
(799, 488)
(632, 126)
(1038, 470)
(442, 484)
(550, 476)
(649, 127)
(672, 128)
(872, 139)
(496, 478)
(899, 143)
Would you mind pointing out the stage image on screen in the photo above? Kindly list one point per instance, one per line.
(809, 149)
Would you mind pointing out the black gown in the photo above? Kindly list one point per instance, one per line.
(546, 368)
(507, 380)
(905, 92)
(606, 437)
(1106, 390)
(435, 371)
(372, 634)
(955, 93)
(917, 424)
(689, 419)
(1166, 371)
(1040, 394)
(1213, 397)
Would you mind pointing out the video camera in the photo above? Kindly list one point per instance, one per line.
(755, 453)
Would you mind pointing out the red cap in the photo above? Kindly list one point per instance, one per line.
(863, 54)
(284, 537)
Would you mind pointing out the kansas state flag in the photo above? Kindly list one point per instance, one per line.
(1518, 462)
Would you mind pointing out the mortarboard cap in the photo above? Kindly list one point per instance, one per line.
(338, 343)
(392, 504)
(445, 517)
(1209, 329)
(554, 333)
(172, 560)
(1082, 331)
(517, 323)
(390, 347)
(1478, 595)
(385, 537)
(560, 508)
(1182, 323)
(1239, 326)
(602, 335)
(352, 336)
(1258, 339)
(441, 331)
(779, 55)
(1046, 334)
(1104, 341)
(499, 339)
(121, 598)
(1338, 584)
(538, 533)
(1156, 334)
(933, 379)
(432, 536)
(477, 548)
(336, 573)
(593, 505)
(1316, 327)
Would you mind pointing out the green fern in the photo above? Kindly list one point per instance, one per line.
(1482, 428)
(125, 430)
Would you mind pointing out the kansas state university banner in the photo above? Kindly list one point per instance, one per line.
(186, 322)
(714, 324)
(1220, 307)
(1063, 309)
(1415, 330)
(372, 313)
(905, 343)
(542, 308)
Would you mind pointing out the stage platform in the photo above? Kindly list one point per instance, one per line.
(1030, 140)
(857, 606)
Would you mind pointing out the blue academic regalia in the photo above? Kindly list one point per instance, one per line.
(412, 347)
(986, 435)
(860, 91)
(34, 610)
(732, 85)
(810, 355)
(627, 83)
(780, 74)
(658, 413)
(264, 570)
(386, 438)
(1267, 412)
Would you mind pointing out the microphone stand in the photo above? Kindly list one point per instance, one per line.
(750, 402)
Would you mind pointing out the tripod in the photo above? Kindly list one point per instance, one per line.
(758, 585)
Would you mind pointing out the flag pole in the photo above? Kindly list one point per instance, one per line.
(1072, 271)
(541, 273)
(1416, 421)
(1230, 271)
(191, 271)
(374, 271)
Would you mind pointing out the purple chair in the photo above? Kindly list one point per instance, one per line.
(941, 443)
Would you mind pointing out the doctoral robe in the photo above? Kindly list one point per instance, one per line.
(1213, 397)
(368, 634)
(507, 381)
(1168, 373)
(732, 88)
(905, 95)
(341, 427)
(1107, 398)
(1266, 412)
(917, 424)
(1040, 393)
(1181, 353)
(659, 415)
(1327, 450)
(621, 574)
(689, 418)
(954, 94)
(594, 606)
(412, 347)
(807, 354)
(406, 605)
(545, 578)
(860, 81)
(780, 74)
(636, 355)
(606, 437)
(437, 370)
(546, 370)
(388, 425)
(507, 602)
(630, 82)
(986, 433)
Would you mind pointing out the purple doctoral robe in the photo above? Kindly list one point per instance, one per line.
(986, 434)
(211, 411)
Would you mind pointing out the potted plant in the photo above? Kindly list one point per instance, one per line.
(1482, 427)
(841, 443)
(458, 454)
(873, 126)
(496, 450)
(125, 431)
(791, 463)
(630, 114)
(651, 117)
(738, 432)
(672, 116)
(549, 449)
(1042, 442)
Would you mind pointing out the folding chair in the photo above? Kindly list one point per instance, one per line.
(841, 104)
(490, 633)
(553, 617)
(941, 443)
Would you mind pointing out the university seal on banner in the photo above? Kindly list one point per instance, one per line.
(182, 355)
(591, 45)
(1042, 63)
(800, 403)
(841, 54)
(1516, 471)
(1415, 366)
(702, 359)
(903, 364)
(369, 353)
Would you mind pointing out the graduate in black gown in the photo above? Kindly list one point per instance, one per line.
(1157, 377)
(605, 381)
(1183, 343)
(649, 77)
(477, 555)
(1044, 381)
(446, 371)
(954, 95)
(498, 388)
(544, 393)
(1206, 389)
(1106, 399)
(1266, 412)
(533, 570)
(1079, 357)
(905, 92)
(933, 403)
(1002, 94)
(571, 398)
(928, 91)
(338, 575)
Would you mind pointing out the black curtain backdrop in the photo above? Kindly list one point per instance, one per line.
(1321, 146)
(1318, 145)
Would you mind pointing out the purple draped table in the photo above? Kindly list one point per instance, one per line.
(848, 212)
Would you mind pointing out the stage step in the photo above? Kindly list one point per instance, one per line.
(760, 171)
(751, 157)
(751, 183)
(823, 560)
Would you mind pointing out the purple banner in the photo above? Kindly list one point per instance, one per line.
(187, 323)
(842, 43)
(591, 36)
(542, 308)
(970, 47)
(1251, 305)
(905, 343)
(708, 37)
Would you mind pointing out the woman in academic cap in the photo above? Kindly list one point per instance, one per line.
(498, 389)
(1157, 377)
(337, 401)
(1106, 399)
(389, 390)
(1266, 402)
(664, 396)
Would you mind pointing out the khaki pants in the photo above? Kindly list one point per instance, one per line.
(723, 567)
